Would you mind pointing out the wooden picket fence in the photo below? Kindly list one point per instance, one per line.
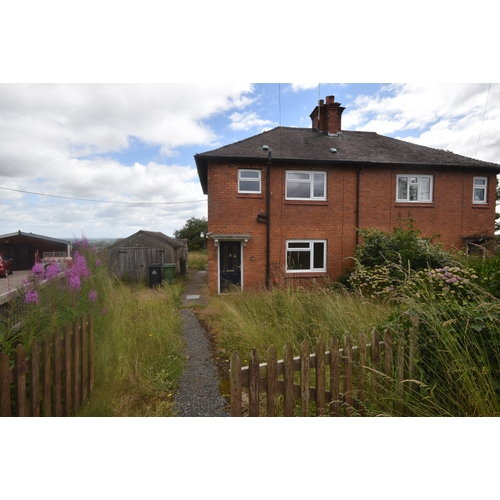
(339, 381)
(56, 378)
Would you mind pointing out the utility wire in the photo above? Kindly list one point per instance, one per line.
(482, 122)
(103, 201)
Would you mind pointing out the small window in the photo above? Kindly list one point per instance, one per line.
(305, 256)
(249, 181)
(414, 188)
(480, 188)
(305, 185)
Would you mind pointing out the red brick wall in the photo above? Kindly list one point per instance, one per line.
(451, 215)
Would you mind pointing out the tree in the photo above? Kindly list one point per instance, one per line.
(191, 232)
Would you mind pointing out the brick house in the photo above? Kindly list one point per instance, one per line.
(285, 205)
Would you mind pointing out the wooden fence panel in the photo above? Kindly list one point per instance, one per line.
(50, 374)
(347, 380)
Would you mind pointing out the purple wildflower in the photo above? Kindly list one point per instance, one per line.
(31, 297)
(104, 311)
(97, 262)
(74, 282)
(92, 295)
(37, 269)
(52, 271)
(80, 264)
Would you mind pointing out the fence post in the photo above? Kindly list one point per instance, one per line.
(289, 401)
(57, 374)
(35, 378)
(375, 362)
(272, 381)
(362, 373)
(4, 386)
(334, 377)
(254, 376)
(47, 379)
(347, 358)
(76, 364)
(67, 370)
(320, 378)
(91, 353)
(235, 382)
(305, 362)
(20, 380)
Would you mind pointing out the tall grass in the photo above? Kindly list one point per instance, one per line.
(198, 259)
(138, 352)
(242, 321)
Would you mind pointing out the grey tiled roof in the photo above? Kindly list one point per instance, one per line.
(307, 144)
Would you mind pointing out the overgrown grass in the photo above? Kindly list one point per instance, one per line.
(242, 321)
(198, 259)
(138, 352)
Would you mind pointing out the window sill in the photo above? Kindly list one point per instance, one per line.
(480, 205)
(307, 202)
(256, 196)
(311, 274)
(414, 204)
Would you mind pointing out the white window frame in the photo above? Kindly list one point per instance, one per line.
(311, 244)
(415, 180)
(480, 187)
(243, 179)
(306, 180)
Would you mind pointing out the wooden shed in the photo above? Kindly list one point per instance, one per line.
(130, 258)
(23, 247)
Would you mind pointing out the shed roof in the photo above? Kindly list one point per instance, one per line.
(347, 147)
(156, 235)
(32, 235)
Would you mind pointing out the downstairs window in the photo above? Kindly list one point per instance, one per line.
(305, 256)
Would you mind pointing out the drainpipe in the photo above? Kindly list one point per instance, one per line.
(266, 219)
(268, 209)
(358, 179)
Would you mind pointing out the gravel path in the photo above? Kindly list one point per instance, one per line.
(198, 394)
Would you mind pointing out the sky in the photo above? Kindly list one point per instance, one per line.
(107, 160)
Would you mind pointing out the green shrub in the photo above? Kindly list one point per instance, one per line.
(403, 247)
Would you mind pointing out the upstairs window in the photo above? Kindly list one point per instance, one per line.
(305, 256)
(305, 185)
(414, 188)
(480, 188)
(249, 181)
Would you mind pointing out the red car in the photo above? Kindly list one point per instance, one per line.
(5, 267)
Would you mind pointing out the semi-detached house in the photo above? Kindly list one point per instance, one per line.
(285, 205)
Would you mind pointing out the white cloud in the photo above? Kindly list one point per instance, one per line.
(60, 139)
(296, 87)
(445, 116)
(247, 121)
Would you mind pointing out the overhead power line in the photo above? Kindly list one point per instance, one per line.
(103, 201)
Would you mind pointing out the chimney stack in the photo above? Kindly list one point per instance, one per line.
(327, 117)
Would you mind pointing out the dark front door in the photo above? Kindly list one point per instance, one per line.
(230, 264)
